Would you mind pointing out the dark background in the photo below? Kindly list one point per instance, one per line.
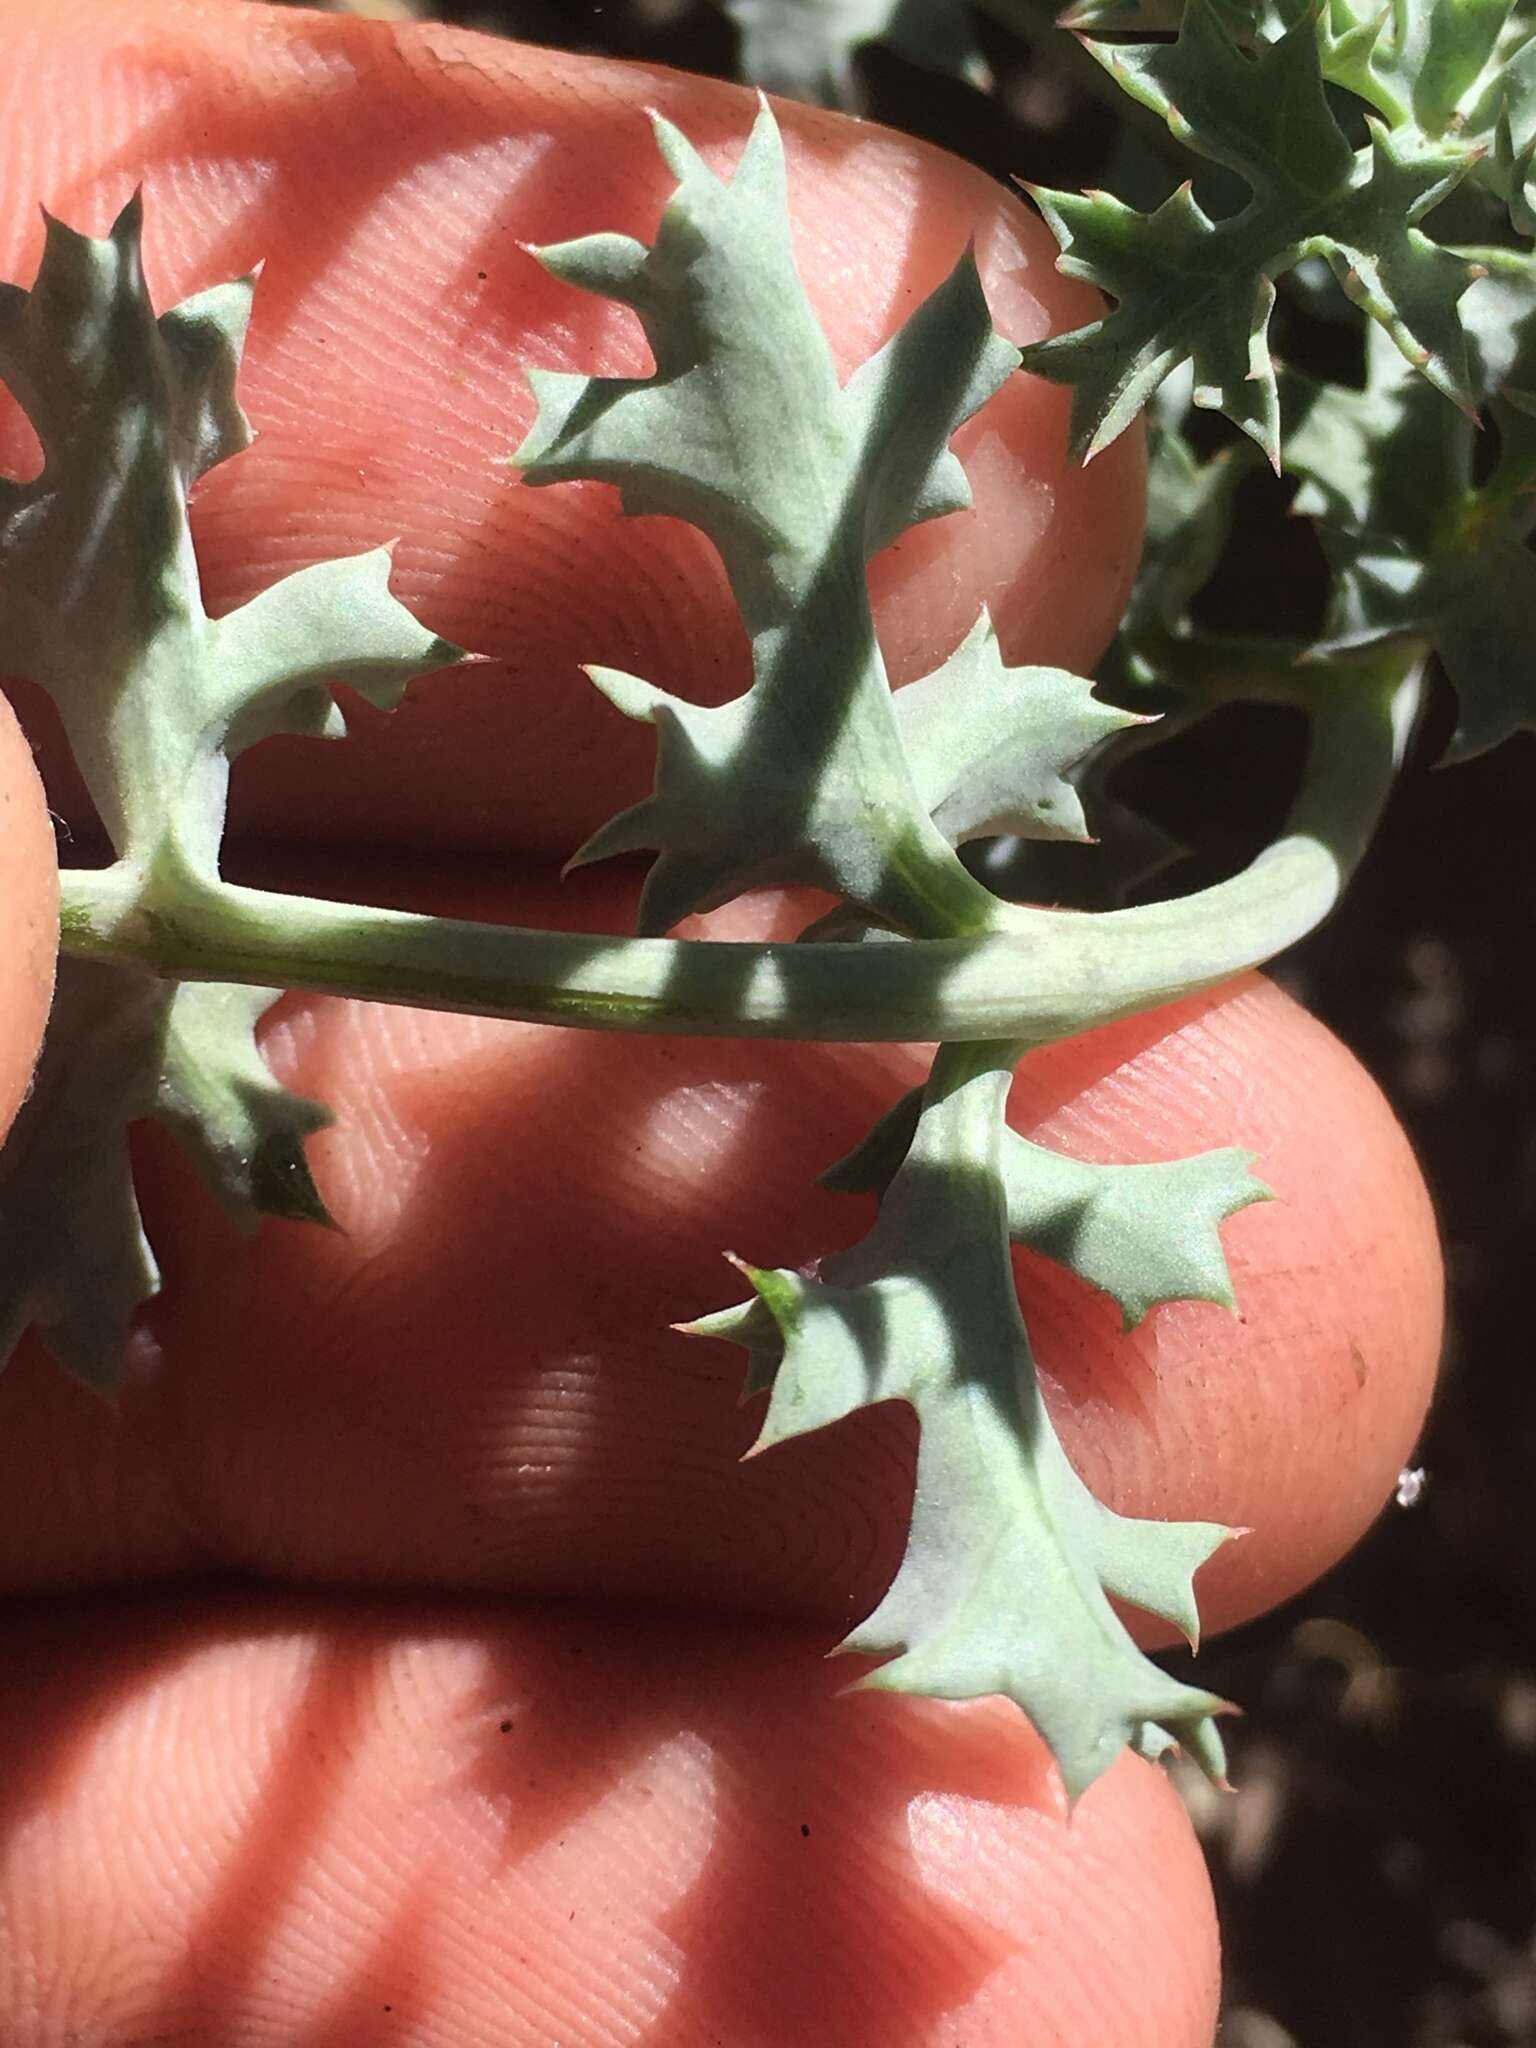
(1377, 1869)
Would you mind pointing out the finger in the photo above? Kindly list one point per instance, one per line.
(474, 1382)
(389, 177)
(29, 914)
(302, 1824)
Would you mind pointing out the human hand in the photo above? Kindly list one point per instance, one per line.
(408, 1658)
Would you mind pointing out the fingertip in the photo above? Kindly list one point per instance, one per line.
(570, 1826)
(29, 914)
(1293, 1418)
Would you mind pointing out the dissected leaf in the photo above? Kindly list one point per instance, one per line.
(1385, 454)
(1010, 1564)
(1499, 314)
(73, 1255)
(1262, 112)
(100, 603)
(242, 1129)
(992, 747)
(123, 1046)
(155, 696)
(1461, 73)
(1142, 1234)
(743, 431)
(1128, 851)
(1184, 296)
(1190, 289)
(1419, 549)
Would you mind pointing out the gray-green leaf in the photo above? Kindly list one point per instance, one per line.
(992, 747)
(1142, 1234)
(1417, 548)
(99, 594)
(1190, 289)
(1011, 1562)
(743, 431)
(100, 603)
(122, 1047)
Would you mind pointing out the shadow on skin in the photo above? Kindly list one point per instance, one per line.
(418, 1818)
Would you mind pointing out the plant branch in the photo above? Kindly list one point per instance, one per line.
(1042, 975)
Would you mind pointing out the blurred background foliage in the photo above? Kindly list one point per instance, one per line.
(1377, 1867)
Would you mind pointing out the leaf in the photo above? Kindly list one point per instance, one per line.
(1189, 519)
(1418, 549)
(1185, 295)
(1263, 114)
(244, 1131)
(1485, 635)
(1457, 73)
(1384, 455)
(122, 1047)
(1462, 72)
(1499, 313)
(743, 431)
(1128, 851)
(100, 603)
(1190, 289)
(155, 696)
(1148, 665)
(804, 48)
(1406, 282)
(992, 747)
(73, 1255)
(1010, 1564)
(1142, 1234)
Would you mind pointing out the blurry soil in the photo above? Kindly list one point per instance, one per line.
(1377, 1867)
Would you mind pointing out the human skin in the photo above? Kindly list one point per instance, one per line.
(408, 1658)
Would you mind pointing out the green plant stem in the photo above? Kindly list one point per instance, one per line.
(1042, 975)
